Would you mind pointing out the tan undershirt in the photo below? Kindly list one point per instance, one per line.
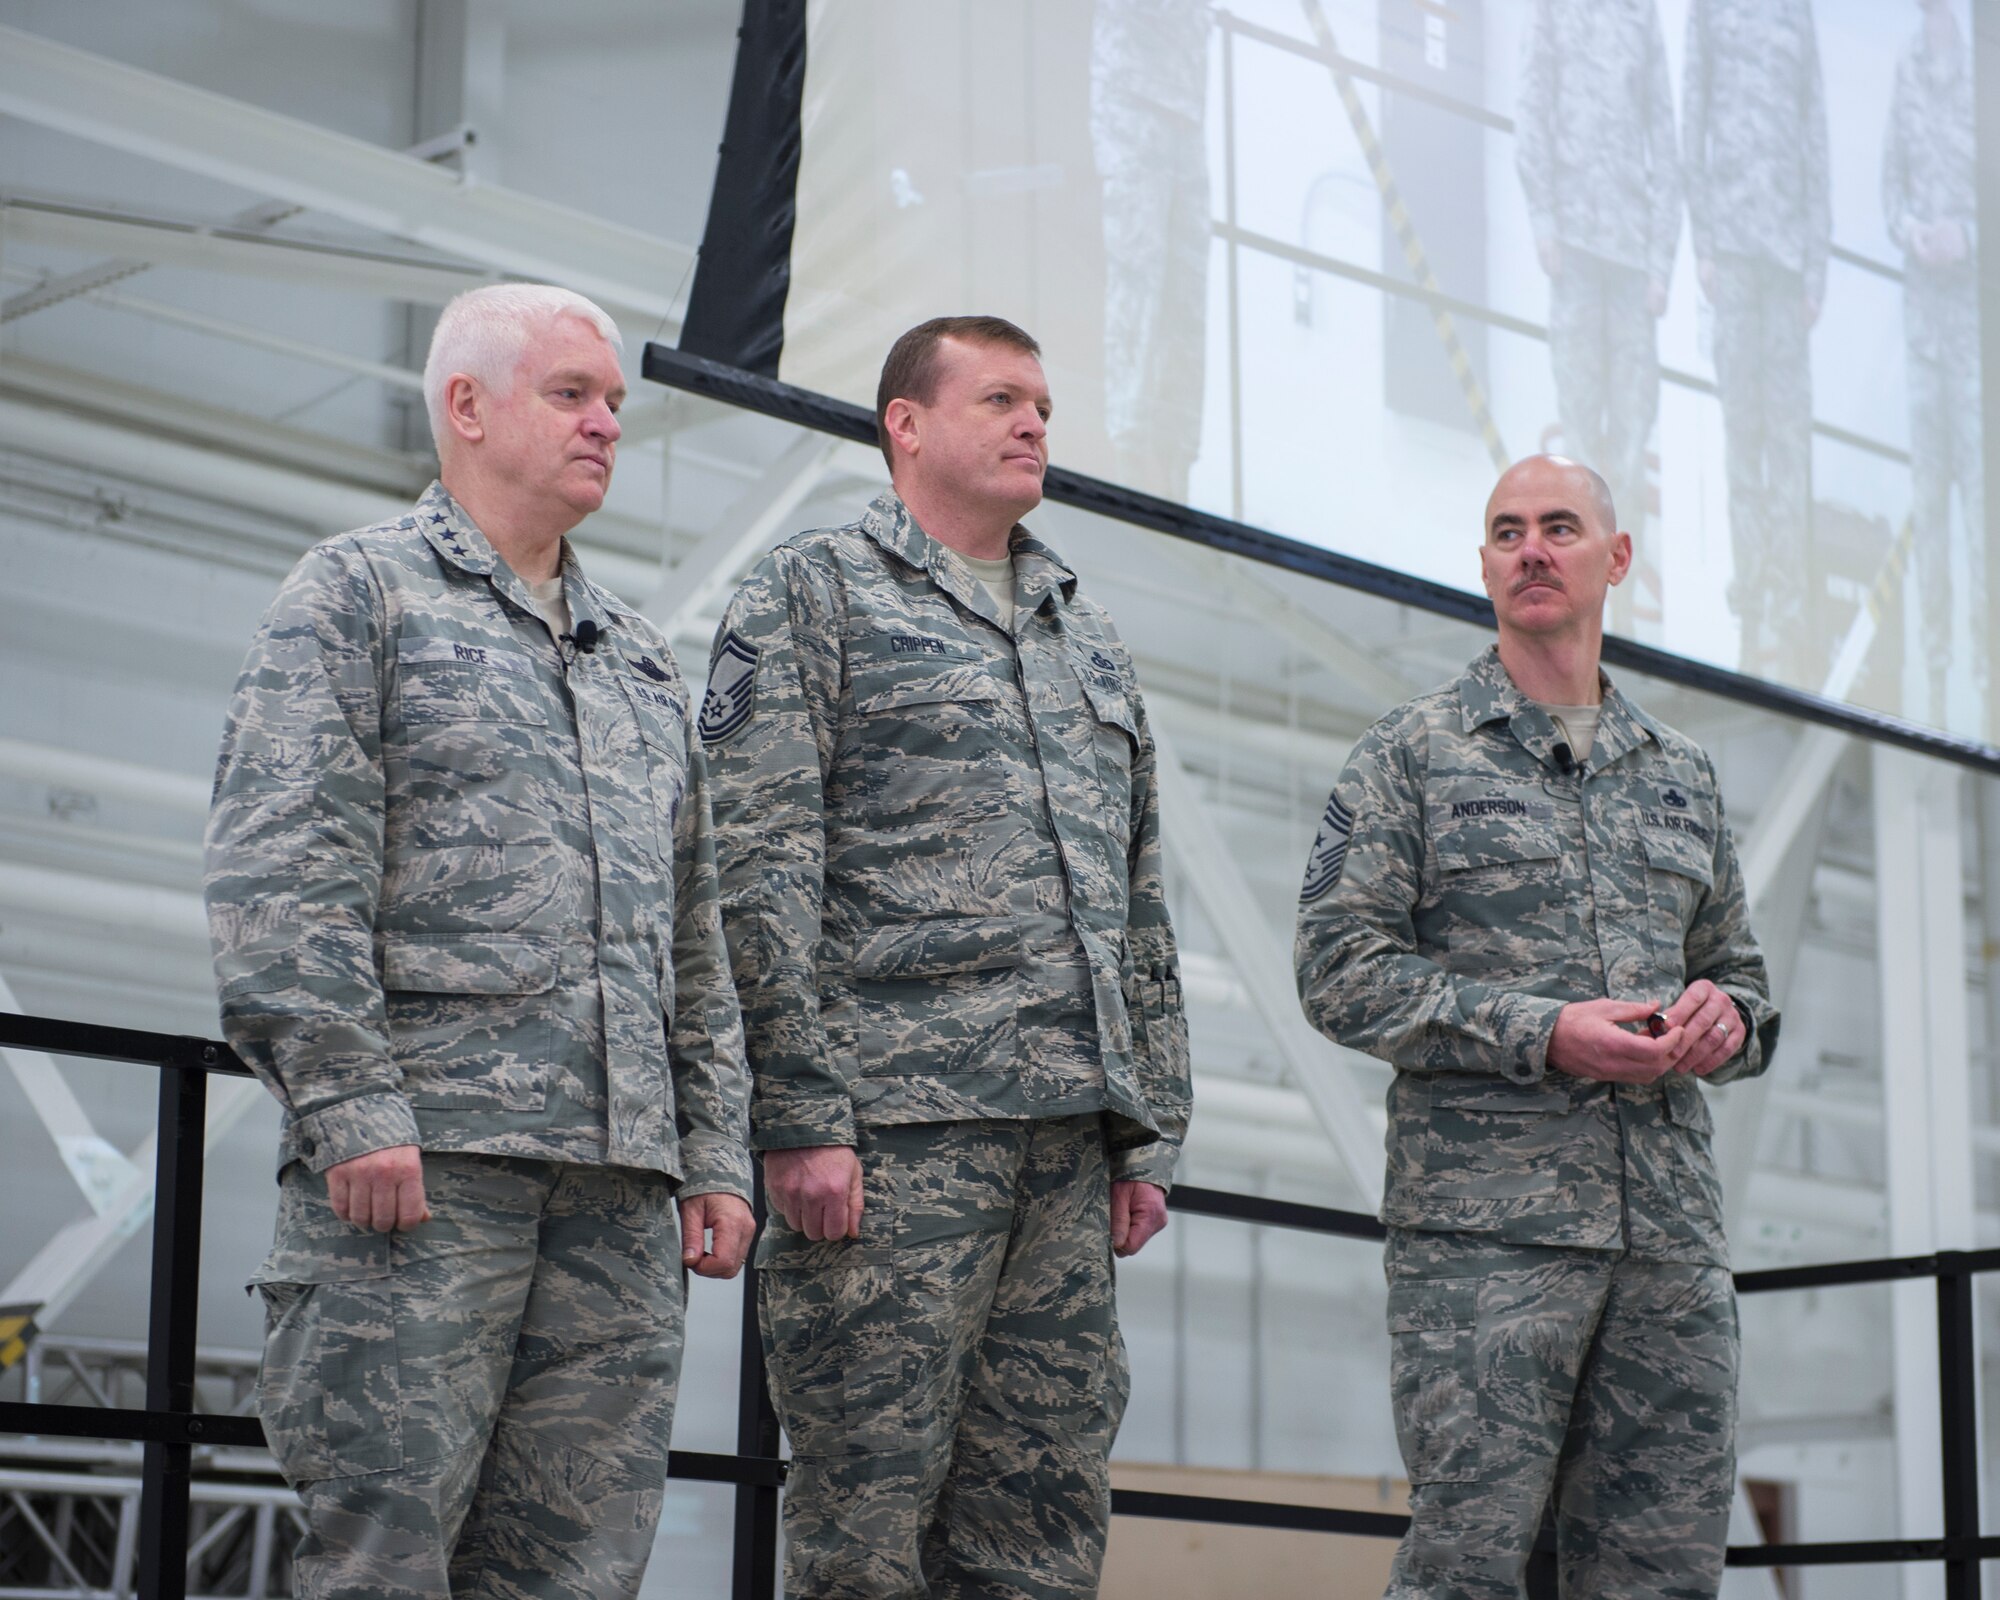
(997, 578)
(549, 601)
(1576, 726)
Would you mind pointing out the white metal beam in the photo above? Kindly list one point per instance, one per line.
(1363, 670)
(75, 1254)
(754, 520)
(99, 275)
(1789, 810)
(1264, 962)
(298, 497)
(179, 243)
(752, 523)
(155, 416)
(155, 787)
(161, 119)
(1920, 941)
(1779, 860)
(93, 1161)
(239, 333)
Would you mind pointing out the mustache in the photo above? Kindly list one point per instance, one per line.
(1532, 578)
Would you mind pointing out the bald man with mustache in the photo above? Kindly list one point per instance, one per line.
(1524, 897)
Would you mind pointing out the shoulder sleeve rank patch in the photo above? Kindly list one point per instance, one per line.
(1329, 850)
(732, 686)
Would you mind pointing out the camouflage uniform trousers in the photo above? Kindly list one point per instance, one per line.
(1606, 358)
(1517, 1370)
(952, 1380)
(1763, 368)
(1941, 324)
(480, 1406)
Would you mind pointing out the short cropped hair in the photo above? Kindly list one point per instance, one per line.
(911, 372)
(482, 332)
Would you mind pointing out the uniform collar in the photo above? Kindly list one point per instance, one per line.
(1038, 570)
(457, 539)
(1487, 694)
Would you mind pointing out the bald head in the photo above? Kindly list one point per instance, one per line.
(1589, 490)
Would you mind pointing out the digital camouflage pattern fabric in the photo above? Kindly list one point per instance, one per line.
(462, 893)
(1928, 178)
(1595, 146)
(1754, 140)
(1763, 371)
(940, 849)
(1483, 890)
(1543, 1228)
(1599, 162)
(1148, 137)
(497, 1384)
(1753, 111)
(1518, 1370)
(953, 1440)
(462, 897)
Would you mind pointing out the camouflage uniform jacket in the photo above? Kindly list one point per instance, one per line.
(1928, 176)
(1594, 133)
(940, 848)
(464, 897)
(1753, 125)
(1462, 890)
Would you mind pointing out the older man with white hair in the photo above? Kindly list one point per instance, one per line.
(464, 904)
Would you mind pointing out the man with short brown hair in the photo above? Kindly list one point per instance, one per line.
(939, 842)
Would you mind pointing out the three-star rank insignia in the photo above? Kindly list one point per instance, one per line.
(732, 688)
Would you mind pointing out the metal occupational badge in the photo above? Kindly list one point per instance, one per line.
(732, 685)
(1329, 850)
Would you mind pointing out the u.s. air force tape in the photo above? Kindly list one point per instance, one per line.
(1329, 851)
(732, 686)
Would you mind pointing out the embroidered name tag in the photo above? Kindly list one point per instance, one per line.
(486, 657)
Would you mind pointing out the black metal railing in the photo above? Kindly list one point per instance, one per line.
(170, 1429)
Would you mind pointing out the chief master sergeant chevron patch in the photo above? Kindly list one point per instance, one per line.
(732, 686)
(1329, 850)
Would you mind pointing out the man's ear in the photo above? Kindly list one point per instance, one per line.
(464, 407)
(1621, 557)
(900, 422)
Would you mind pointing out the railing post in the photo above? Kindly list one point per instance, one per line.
(1958, 1400)
(170, 1327)
(754, 1572)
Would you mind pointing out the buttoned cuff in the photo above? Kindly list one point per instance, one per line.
(797, 1121)
(1526, 1022)
(714, 1164)
(1146, 1163)
(350, 1128)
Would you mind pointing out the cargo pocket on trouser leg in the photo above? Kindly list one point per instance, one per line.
(1434, 1377)
(329, 1389)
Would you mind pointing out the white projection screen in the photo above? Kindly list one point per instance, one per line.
(1321, 266)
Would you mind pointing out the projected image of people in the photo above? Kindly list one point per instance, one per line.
(1597, 154)
(1148, 102)
(1929, 204)
(1757, 186)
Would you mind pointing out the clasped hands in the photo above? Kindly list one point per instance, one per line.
(384, 1191)
(1592, 1038)
(817, 1190)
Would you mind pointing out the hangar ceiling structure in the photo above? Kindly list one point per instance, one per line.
(225, 227)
